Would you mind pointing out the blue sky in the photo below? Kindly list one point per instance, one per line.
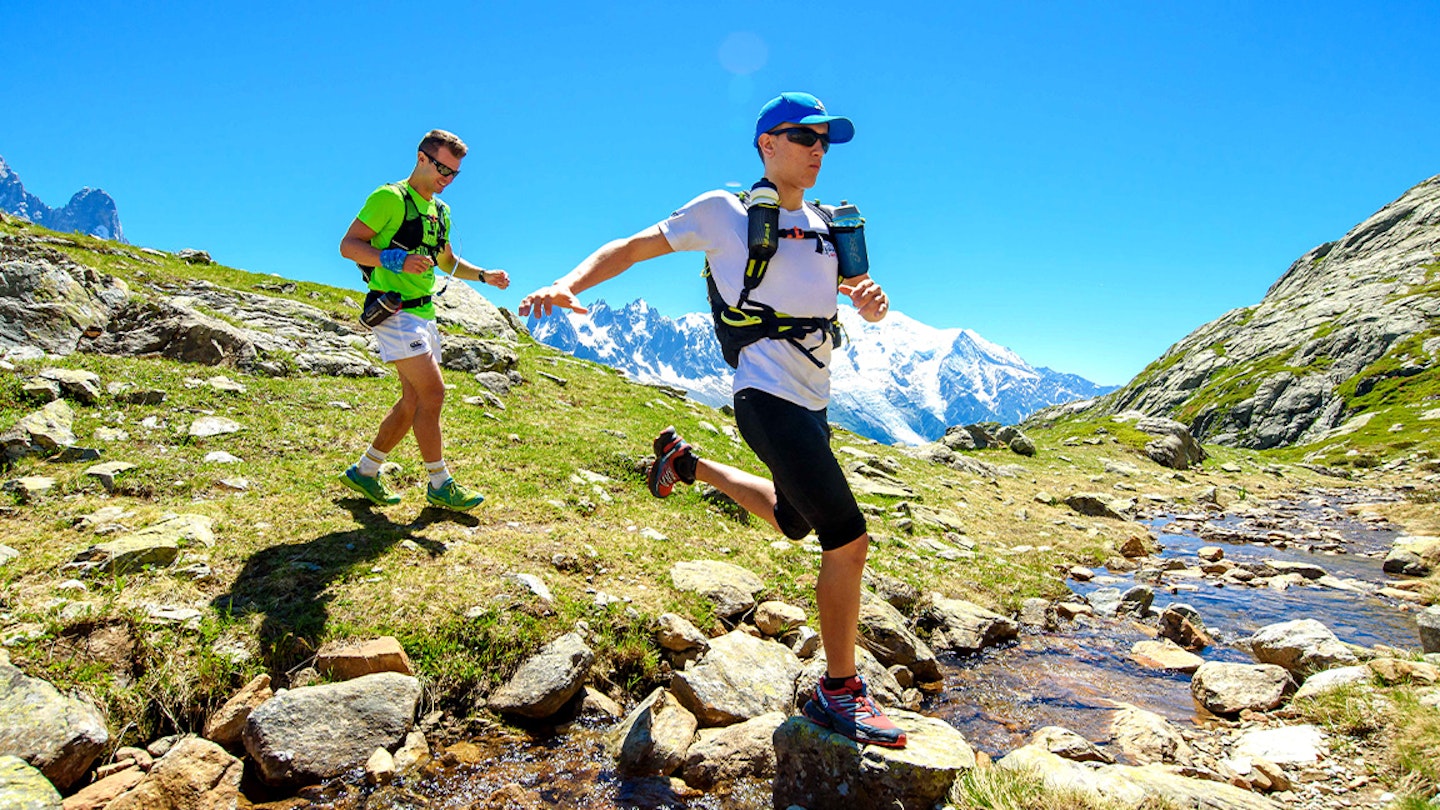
(1085, 183)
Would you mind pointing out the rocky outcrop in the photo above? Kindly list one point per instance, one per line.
(50, 302)
(1345, 317)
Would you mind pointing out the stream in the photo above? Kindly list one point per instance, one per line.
(1070, 677)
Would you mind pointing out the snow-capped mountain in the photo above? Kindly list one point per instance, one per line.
(894, 381)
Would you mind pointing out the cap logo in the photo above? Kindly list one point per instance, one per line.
(819, 106)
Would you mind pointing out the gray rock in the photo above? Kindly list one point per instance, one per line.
(959, 626)
(290, 747)
(59, 735)
(1068, 744)
(48, 302)
(51, 428)
(818, 768)
(207, 426)
(1286, 745)
(1413, 556)
(1146, 737)
(655, 737)
(1225, 688)
(899, 593)
(1428, 623)
(775, 618)
(675, 633)
(194, 256)
(1302, 647)
(723, 755)
(81, 386)
(730, 588)
(739, 678)
(546, 681)
(106, 472)
(25, 788)
(473, 354)
(1093, 504)
(1332, 679)
(885, 632)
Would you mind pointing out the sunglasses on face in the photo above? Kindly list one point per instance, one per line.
(804, 137)
(445, 171)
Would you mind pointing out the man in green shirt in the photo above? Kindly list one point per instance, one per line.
(398, 239)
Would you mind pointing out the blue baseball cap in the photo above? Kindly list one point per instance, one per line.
(801, 108)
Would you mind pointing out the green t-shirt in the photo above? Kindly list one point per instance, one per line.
(384, 211)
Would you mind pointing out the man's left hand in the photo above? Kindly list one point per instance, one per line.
(869, 300)
(499, 279)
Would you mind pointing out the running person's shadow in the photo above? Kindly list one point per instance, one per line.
(289, 584)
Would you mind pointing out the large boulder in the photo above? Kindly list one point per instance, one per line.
(1302, 646)
(815, 767)
(59, 735)
(1147, 737)
(1227, 689)
(546, 681)
(885, 632)
(959, 626)
(303, 736)
(462, 305)
(655, 737)
(730, 588)
(1413, 556)
(722, 755)
(739, 678)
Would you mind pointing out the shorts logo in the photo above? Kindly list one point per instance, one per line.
(417, 344)
(827, 248)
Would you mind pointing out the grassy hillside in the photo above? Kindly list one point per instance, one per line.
(297, 561)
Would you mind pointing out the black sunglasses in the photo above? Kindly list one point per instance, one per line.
(446, 171)
(805, 137)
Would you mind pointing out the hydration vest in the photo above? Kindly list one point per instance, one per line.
(411, 234)
(747, 321)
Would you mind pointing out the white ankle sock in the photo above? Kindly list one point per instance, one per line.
(369, 463)
(439, 473)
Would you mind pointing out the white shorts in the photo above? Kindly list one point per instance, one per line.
(403, 335)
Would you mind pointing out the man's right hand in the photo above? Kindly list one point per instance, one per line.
(543, 301)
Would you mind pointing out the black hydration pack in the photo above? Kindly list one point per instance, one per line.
(411, 234)
(747, 321)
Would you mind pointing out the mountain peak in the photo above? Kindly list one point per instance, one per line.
(899, 380)
(90, 210)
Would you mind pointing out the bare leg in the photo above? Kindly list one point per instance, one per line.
(837, 595)
(422, 393)
(755, 494)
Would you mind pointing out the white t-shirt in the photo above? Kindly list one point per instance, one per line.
(800, 281)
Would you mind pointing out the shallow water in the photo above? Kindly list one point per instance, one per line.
(997, 698)
(1072, 679)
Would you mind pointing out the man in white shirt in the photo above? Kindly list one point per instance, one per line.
(782, 384)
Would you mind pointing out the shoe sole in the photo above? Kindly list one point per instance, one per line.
(351, 483)
(652, 478)
(824, 722)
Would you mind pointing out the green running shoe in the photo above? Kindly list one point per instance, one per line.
(370, 486)
(451, 495)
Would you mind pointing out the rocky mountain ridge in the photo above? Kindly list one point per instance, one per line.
(895, 381)
(1351, 325)
(90, 211)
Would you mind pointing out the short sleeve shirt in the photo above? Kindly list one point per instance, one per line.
(384, 212)
(802, 280)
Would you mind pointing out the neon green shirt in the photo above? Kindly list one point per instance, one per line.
(384, 212)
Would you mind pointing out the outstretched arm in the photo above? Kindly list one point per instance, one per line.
(612, 259)
(867, 297)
